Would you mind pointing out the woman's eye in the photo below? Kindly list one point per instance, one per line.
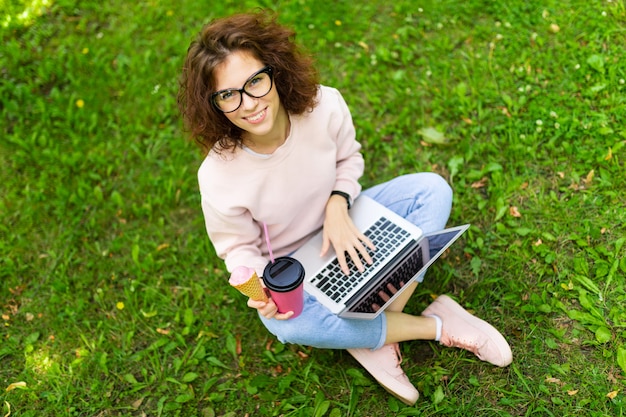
(254, 81)
(226, 95)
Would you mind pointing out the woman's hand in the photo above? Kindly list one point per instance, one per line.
(269, 309)
(340, 231)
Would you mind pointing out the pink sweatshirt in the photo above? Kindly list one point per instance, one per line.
(288, 190)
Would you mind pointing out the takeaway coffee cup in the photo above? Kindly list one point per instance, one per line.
(284, 279)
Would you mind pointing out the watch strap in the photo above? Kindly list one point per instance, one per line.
(344, 195)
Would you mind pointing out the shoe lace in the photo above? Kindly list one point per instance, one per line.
(396, 347)
(470, 345)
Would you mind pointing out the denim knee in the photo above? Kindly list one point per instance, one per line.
(424, 199)
(440, 187)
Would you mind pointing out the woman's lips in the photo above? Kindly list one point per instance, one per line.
(257, 117)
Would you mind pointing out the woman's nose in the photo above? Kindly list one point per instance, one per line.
(248, 102)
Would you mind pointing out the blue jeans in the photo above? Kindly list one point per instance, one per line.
(425, 199)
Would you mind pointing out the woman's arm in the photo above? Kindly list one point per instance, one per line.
(339, 230)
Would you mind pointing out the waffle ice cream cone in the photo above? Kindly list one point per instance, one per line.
(248, 283)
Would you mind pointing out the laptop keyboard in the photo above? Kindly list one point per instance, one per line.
(385, 235)
(378, 296)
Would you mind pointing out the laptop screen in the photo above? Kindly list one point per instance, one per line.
(440, 241)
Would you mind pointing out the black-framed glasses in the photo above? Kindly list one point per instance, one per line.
(257, 86)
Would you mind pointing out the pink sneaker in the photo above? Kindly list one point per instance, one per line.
(384, 365)
(461, 329)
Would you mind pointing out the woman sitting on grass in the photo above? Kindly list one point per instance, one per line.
(279, 146)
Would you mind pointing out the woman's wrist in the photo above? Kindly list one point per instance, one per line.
(343, 195)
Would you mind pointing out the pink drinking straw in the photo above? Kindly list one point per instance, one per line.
(267, 240)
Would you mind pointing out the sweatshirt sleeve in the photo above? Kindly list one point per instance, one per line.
(236, 238)
(235, 235)
(350, 163)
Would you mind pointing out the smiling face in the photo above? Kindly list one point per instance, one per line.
(264, 120)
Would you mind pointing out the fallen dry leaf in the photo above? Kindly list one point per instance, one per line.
(612, 394)
(17, 290)
(14, 385)
(480, 184)
(163, 331)
(29, 316)
(238, 348)
(13, 307)
(609, 155)
(539, 242)
(589, 177)
(513, 211)
(572, 392)
(553, 380)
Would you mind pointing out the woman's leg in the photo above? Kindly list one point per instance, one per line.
(402, 327)
(447, 322)
(424, 199)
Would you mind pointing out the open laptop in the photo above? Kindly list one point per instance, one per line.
(403, 253)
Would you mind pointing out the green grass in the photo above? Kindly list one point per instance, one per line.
(114, 304)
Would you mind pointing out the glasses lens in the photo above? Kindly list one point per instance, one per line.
(259, 85)
(228, 100)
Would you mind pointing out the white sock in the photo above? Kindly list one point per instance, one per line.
(439, 326)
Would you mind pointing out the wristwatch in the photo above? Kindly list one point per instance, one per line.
(344, 195)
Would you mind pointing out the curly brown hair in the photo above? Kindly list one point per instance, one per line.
(295, 77)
